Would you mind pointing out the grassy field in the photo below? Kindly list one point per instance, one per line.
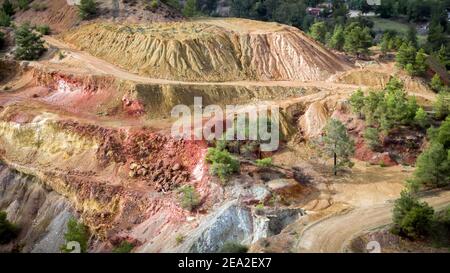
(381, 24)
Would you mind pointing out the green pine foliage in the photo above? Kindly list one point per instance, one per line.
(338, 144)
(30, 46)
(411, 217)
(76, 232)
(189, 198)
(8, 231)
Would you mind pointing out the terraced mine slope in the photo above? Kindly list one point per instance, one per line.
(209, 50)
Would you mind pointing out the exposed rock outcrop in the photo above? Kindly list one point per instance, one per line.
(314, 120)
(41, 214)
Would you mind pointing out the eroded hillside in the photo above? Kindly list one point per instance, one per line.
(209, 50)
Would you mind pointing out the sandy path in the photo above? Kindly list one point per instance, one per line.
(334, 233)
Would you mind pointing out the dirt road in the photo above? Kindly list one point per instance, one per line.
(104, 67)
(333, 234)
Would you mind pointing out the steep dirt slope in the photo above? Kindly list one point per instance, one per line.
(61, 15)
(209, 50)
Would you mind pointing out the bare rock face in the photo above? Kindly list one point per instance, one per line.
(209, 50)
(314, 120)
(41, 214)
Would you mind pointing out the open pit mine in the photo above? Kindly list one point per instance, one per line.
(86, 142)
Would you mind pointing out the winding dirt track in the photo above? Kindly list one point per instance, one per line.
(335, 233)
(326, 235)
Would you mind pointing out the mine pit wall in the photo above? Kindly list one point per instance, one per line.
(83, 163)
(40, 213)
(106, 95)
(42, 150)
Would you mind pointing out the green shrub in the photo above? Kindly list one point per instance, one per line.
(8, 7)
(8, 231)
(23, 4)
(30, 46)
(436, 83)
(265, 162)
(154, 4)
(421, 118)
(179, 239)
(223, 164)
(5, 19)
(43, 29)
(411, 217)
(123, 247)
(87, 9)
(190, 199)
(442, 105)
(357, 102)
(233, 247)
(76, 232)
(372, 138)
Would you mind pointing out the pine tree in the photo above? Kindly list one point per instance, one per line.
(357, 102)
(406, 55)
(411, 218)
(442, 105)
(190, 199)
(436, 83)
(30, 46)
(421, 118)
(357, 39)
(443, 55)
(338, 144)
(433, 166)
(436, 36)
(318, 31)
(337, 40)
(420, 65)
(372, 138)
(411, 36)
(190, 8)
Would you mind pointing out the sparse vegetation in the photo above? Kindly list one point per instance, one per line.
(8, 231)
(123, 247)
(264, 163)
(233, 247)
(76, 232)
(179, 239)
(223, 164)
(43, 29)
(23, 4)
(189, 199)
